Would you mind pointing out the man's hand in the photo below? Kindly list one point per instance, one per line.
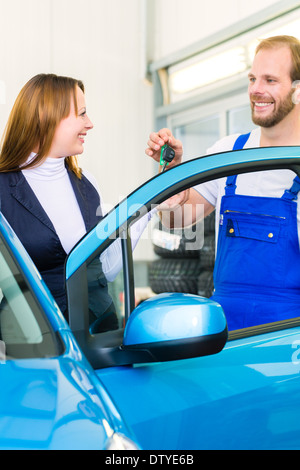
(171, 211)
(175, 201)
(158, 139)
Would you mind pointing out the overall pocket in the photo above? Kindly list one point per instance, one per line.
(251, 249)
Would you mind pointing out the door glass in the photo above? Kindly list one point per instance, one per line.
(183, 260)
(198, 136)
(106, 291)
(24, 331)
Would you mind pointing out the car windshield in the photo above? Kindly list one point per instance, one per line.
(24, 331)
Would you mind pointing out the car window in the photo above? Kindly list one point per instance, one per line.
(167, 260)
(183, 260)
(105, 295)
(24, 331)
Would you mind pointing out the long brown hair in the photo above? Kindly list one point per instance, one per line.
(40, 106)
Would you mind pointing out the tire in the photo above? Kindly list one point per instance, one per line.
(205, 284)
(182, 243)
(207, 253)
(209, 224)
(177, 243)
(175, 275)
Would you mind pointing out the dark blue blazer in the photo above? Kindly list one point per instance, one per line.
(31, 224)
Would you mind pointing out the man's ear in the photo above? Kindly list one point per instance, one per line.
(296, 93)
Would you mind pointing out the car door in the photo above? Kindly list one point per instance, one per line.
(241, 396)
(51, 398)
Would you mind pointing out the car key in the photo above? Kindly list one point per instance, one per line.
(166, 156)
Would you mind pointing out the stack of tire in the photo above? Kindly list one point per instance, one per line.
(179, 268)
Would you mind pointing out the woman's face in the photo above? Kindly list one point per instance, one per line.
(70, 133)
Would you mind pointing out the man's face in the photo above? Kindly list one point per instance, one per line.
(270, 86)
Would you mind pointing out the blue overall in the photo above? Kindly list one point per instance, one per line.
(257, 268)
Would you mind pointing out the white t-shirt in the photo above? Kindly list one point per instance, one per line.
(271, 183)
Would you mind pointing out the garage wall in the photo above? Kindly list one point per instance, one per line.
(98, 41)
(25, 46)
(180, 23)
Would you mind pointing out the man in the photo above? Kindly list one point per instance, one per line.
(257, 270)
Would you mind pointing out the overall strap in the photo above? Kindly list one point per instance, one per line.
(292, 193)
(231, 180)
(241, 141)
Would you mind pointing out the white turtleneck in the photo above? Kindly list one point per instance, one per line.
(51, 184)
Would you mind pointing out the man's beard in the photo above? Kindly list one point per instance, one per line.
(283, 109)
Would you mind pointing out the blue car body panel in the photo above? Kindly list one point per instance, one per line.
(246, 397)
(55, 403)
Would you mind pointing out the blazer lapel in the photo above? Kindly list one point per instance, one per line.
(23, 193)
(88, 200)
(81, 196)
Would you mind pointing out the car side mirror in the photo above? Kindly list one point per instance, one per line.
(176, 326)
(166, 327)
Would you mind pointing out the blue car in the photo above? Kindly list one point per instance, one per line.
(171, 376)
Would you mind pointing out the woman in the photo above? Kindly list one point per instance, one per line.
(49, 202)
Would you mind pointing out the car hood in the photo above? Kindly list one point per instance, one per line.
(57, 403)
(49, 404)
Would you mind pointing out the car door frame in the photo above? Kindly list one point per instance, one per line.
(116, 223)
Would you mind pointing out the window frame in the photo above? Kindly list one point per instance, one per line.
(105, 348)
(24, 351)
